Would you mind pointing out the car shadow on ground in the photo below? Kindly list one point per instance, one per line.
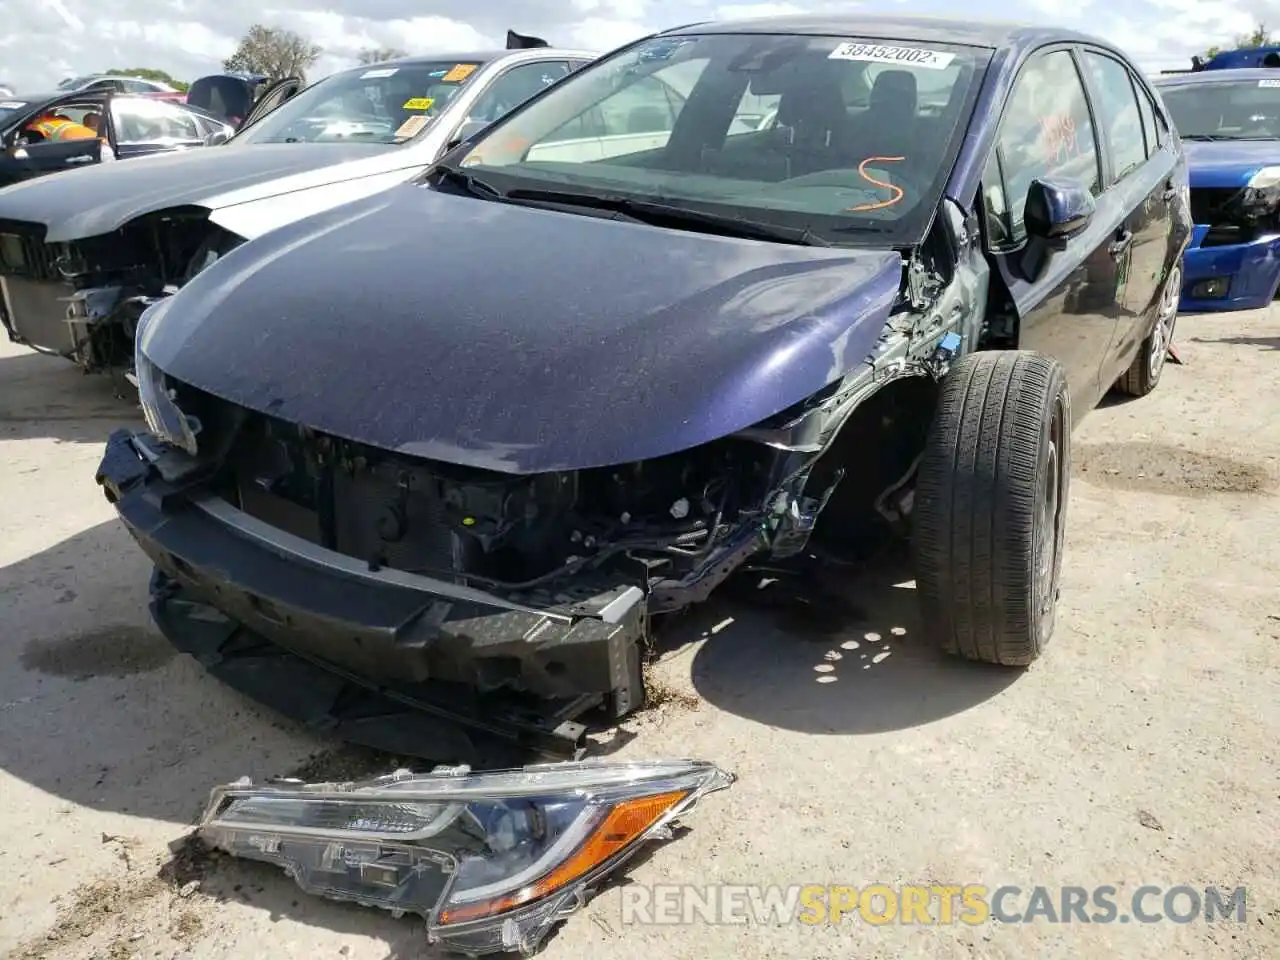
(134, 727)
(48, 397)
(141, 730)
(827, 648)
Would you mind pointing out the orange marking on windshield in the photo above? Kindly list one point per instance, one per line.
(898, 191)
(1059, 137)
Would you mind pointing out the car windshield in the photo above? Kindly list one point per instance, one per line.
(1225, 110)
(379, 104)
(848, 139)
(72, 83)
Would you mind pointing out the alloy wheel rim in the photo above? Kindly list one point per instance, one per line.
(1049, 539)
(1166, 318)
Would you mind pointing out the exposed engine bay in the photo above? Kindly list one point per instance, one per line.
(662, 525)
(81, 300)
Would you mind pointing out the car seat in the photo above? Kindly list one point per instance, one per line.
(812, 128)
(888, 126)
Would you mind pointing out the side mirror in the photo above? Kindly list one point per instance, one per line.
(216, 138)
(465, 132)
(1056, 211)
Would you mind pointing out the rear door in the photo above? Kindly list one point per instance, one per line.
(21, 160)
(1141, 174)
(1070, 310)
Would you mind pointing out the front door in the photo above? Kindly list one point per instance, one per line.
(270, 98)
(1069, 308)
(25, 155)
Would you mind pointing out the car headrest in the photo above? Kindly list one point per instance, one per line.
(895, 91)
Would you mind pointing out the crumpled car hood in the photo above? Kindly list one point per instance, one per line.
(102, 198)
(1228, 163)
(518, 339)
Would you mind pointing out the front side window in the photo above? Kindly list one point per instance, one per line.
(839, 135)
(1118, 111)
(1225, 109)
(389, 105)
(1046, 133)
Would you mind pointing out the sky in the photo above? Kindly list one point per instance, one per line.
(47, 40)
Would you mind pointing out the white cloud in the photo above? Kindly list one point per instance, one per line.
(44, 42)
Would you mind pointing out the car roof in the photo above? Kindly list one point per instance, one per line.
(36, 99)
(975, 33)
(1222, 75)
(481, 56)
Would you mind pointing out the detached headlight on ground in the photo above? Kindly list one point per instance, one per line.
(163, 417)
(491, 860)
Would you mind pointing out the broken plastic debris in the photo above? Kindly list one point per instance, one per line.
(491, 860)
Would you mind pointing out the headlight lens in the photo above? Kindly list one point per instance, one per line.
(491, 860)
(164, 418)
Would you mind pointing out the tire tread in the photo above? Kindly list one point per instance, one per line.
(976, 502)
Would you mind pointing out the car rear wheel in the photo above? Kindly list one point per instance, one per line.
(990, 507)
(1144, 373)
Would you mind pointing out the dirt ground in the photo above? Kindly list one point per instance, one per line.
(1141, 750)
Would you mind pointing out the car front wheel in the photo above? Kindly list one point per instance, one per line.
(990, 507)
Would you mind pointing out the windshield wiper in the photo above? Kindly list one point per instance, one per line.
(1207, 136)
(469, 183)
(658, 214)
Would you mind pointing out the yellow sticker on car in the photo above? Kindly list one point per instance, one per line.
(419, 103)
(459, 73)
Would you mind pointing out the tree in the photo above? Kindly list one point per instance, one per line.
(147, 73)
(1260, 36)
(274, 51)
(380, 55)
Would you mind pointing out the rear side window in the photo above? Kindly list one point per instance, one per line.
(1118, 112)
(1046, 132)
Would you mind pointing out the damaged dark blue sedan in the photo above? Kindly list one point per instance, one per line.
(731, 290)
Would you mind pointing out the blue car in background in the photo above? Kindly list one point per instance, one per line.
(1229, 122)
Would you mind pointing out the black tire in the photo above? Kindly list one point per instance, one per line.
(990, 507)
(1143, 374)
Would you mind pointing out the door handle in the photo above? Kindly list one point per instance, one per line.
(1120, 244)
(85, 158)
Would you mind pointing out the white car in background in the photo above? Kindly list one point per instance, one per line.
(83, 252)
